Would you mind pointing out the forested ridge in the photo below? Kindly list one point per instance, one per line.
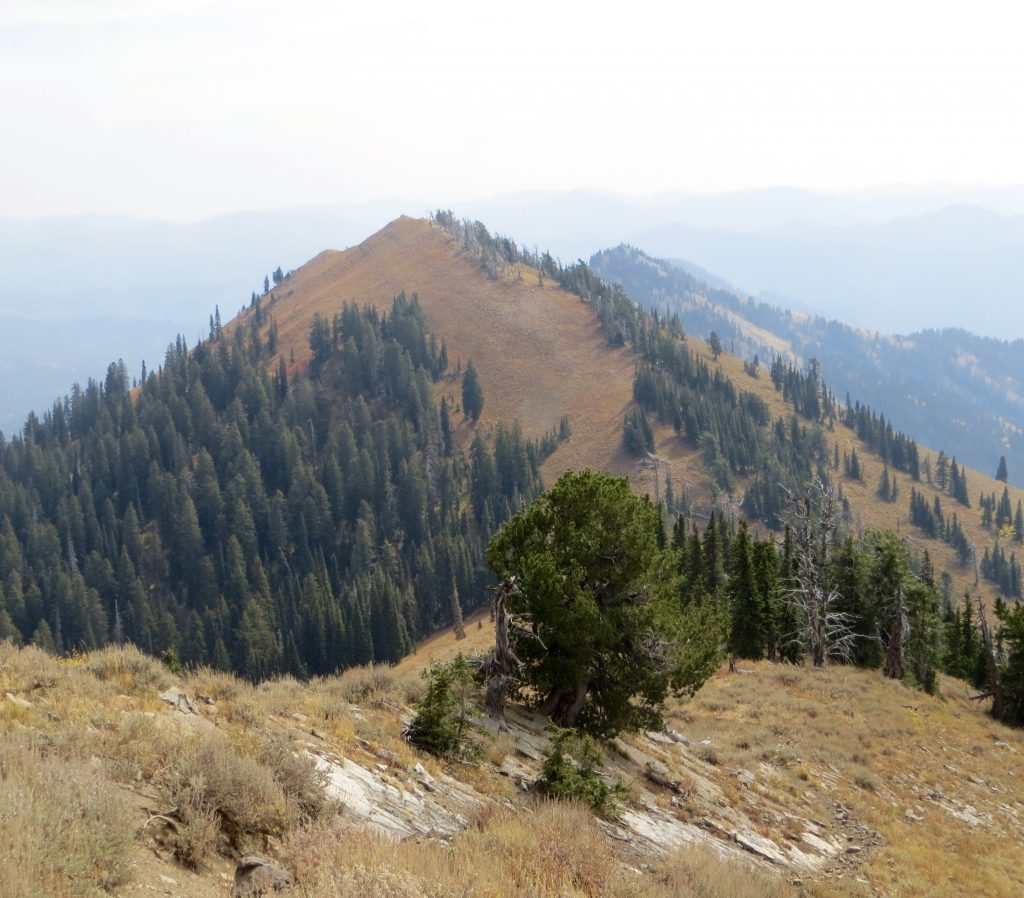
(238, 510)
(948, 387)
(252, 517)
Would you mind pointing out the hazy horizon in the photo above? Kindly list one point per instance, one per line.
(181, 111)
(164, 156)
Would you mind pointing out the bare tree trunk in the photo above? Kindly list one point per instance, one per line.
(897, 636)
(991, 667)
(457, 623)
(826, 632)
(502, 670)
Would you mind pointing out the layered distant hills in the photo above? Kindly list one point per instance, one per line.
(896, 260)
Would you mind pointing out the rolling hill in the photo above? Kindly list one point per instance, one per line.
(541, 354)
(284, 499)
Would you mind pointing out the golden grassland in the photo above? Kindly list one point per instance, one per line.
(93, 764)
(937, 780)
(538, 350)
(103, 789)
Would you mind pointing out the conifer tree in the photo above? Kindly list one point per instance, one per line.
(606, 640)
(1001, 472)
(472, 393)
(748, 634)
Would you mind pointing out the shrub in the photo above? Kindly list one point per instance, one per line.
(303, 783)
(66, 829)
(130, 669)
(570, 771)
(357, 684)
(195, 837)
(248, 802)
(442, 718)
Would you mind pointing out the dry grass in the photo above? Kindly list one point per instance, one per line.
(549, 850)
(700, 873)
(816, 740)
(567, 369)
(65, 831)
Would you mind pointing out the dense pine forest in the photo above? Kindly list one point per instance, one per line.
(256, 518)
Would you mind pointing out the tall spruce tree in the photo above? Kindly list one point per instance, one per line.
(472, 393)
(1001, 472)
(748, 636)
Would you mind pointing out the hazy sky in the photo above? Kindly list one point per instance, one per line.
(186, 108)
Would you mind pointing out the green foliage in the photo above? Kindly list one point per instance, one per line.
(1001, 472)
(1011, 663)
(637, 436)
(442, 718)
(253, 515)
(570, 771)
(472, 392)
(169, 658)
(609, 640)
(907, 611)
(750, 612)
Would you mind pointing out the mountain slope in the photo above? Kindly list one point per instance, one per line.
(538, 350)
(952, 390)
(774, 781)
(541, 354)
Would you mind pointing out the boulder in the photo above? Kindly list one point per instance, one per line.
(179, 701)
(255, 876)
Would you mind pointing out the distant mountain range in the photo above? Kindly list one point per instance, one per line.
(951, 389)
(891, 259)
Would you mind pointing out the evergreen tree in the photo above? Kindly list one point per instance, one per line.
(637, 436)
(748, 636)
(472, 393)
(1001, 472)
(601, 596)
(442, 718)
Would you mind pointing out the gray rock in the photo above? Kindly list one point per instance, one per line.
(178, 700)
(255, 876)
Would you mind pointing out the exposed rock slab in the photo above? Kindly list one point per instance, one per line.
(398, 803)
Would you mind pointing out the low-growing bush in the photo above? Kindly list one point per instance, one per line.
(303, 783)
(570, 771)
(442, 718)
(128, 668)
(249, 803)
(360, 684)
